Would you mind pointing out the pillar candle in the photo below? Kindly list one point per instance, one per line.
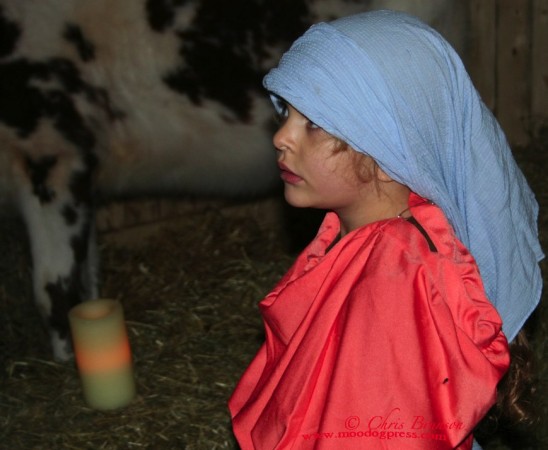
(102, 352)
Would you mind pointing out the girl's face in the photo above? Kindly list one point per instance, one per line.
(316, 175)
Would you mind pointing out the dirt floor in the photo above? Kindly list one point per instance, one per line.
(190, 289)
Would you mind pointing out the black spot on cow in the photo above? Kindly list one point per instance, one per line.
(225, 48)
(79, 245)
(68, 291)
(39, 171)
(70, 214)
(82, 193)
(68, 121)
(161, 13)
(9, 34)
(31, 91)
(22, 105)
(67, 74)
(86, 49)
(203, 78)
(64, 294)
(81, 182)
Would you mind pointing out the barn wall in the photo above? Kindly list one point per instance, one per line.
(506, 54)
(539, 64)
(507, 57)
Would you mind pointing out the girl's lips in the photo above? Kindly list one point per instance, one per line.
(288, 176)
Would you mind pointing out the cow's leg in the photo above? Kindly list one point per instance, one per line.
(56, 202)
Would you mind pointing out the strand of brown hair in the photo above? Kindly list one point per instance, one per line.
(518, 388)
(515, 411)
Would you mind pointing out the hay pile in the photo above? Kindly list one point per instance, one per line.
(189, 291)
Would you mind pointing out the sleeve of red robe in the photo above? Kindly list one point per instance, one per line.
(396, 348)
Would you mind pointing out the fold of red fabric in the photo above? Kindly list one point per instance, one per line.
(381, 343)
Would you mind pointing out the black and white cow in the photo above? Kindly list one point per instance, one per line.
(130, 97)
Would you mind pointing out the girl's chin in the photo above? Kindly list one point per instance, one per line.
(297, 201)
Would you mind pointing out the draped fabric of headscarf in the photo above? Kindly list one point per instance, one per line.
(393, 88)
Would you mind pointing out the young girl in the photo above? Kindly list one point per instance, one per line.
(383, 335)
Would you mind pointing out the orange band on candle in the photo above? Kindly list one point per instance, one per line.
(106, 359)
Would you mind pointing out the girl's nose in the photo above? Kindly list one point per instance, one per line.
(282, 138)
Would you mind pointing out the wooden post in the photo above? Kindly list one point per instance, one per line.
(513, 69)
(480, 54)
(539, 66)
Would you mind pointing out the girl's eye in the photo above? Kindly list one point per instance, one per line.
(282, 110)
(312, 126)
(282, 115)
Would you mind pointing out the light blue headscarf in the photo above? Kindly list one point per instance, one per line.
(393, 88)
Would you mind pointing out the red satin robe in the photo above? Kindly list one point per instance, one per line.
(387, 341)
